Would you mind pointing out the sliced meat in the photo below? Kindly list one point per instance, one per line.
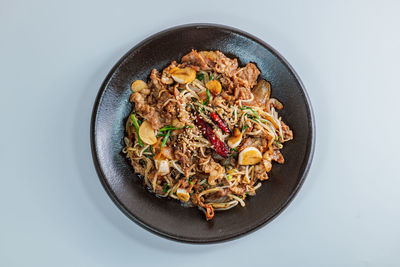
(146, 111)
(214, 170)
(155, 78)
(137, 167)
(165, 76)
(247, 76)
(225, 65)
(260, 171)
(219, 101)
(277, 156)
(196, 59)
(210, 60)
(183, 159)
(226, 83)
(159, 190)
(287, 133)
(239, 190)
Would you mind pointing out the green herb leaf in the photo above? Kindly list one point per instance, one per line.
(252, 110)
(208, 98)
(234, 149)
(247, 193)
(150, 149)
(200, 76)
(136, 124)
(161, 134)
(170, 127)
(165, 188)
(234, 155)
(165, 139)
(244, 127)
(211, 76)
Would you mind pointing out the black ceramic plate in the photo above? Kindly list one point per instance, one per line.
(167, 217)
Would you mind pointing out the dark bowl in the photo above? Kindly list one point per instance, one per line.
(167, 217)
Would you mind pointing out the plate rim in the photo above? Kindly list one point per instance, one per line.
(309, 150)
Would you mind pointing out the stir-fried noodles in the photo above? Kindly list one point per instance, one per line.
(205, 131)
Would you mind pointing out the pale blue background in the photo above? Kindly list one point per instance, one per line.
(54, 56)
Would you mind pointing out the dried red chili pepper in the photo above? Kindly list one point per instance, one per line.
(220, 147)
(209, 212)
(221, 124)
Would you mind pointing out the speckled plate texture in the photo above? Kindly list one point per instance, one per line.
(166, 217)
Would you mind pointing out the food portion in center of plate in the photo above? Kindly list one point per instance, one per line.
(205, 131)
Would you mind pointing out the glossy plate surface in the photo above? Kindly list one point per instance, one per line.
(167, 217)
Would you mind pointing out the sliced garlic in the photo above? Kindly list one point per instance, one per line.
(185, 75)
(162, 166)
(250, 156)
(182, 194)
(138, 86)
(234, 141)
(146, 133)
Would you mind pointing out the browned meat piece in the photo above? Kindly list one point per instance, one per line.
(260, 171)
(226, 83)
(170, 109)
(246, 76)
(146, 111)
(219, 101)
(244, 93)
(155, 78)
(267, 164)
(214, 170)
(238, 190)
(225, 65)
(210, 60)
(196, 59)
(277, 156)
(226, 96)
(159, 190)
(162, 98)
(287, 133)
(138, 168)
(165, 76)
(222, 193)
(264, 145)
(183, 159)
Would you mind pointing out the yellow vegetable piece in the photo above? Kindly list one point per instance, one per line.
(182, 194)
(214, 87)
(250, 156)
(185, 75)
(245, 179)
(138, 86)
(146, 133)
(235, 139)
